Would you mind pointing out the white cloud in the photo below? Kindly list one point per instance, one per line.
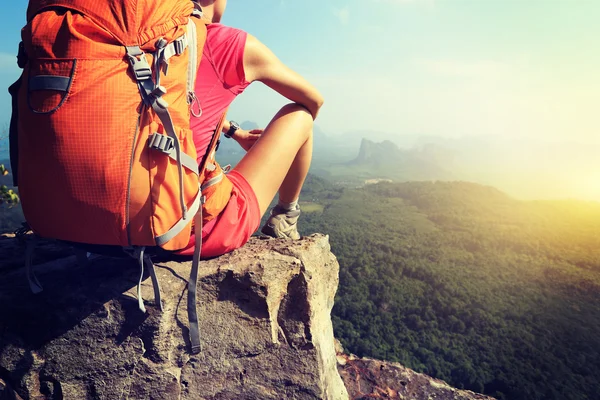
(342, 14)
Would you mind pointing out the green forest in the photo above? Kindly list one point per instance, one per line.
(463, 283)
(466, 284)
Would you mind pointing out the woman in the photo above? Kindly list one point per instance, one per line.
(279, 161)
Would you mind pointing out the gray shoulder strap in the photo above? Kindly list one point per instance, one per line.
(34, 284)
(192, 306)
(192, 36)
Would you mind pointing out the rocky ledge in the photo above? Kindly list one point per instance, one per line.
(366, 378)
(264, 319)
(265, 327)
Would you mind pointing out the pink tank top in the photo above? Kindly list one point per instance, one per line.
(220, 79)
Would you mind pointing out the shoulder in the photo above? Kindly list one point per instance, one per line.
(224, 50)
(219, 33)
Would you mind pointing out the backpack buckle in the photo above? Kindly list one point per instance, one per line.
(163, 143)
(139, 63)
(159, 91)
(180, 44)
(197, 9)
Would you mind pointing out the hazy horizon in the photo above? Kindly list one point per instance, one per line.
(434, 67)
(518, 73)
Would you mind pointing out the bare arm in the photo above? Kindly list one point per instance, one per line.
(260, 64)
(226, 126)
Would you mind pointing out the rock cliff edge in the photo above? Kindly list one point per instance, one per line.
(265, 325)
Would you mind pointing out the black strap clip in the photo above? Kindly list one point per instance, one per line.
(22, 57)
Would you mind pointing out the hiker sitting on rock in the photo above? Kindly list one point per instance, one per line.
(277, 159)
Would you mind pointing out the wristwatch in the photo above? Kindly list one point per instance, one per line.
(233, 127)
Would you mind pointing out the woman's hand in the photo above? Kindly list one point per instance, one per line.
(246, 139)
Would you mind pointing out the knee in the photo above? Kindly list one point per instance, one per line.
(300, 118)
(298, 112)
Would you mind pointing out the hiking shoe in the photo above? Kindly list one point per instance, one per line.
(282, 223)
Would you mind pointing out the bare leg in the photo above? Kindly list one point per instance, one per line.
(280, 159)
(292, 184)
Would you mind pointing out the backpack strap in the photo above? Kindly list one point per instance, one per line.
(30, 243)
(34, 283)
(192, 73)
(155, 284)
(151, 94)
(192, 286)
(192, 305)
(13, 132)
(209, 156)
(139, 256)
(193, 281)
(145, 261)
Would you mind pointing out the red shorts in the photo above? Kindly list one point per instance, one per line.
(234, 226)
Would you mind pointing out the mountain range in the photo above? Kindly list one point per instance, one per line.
(525, 168)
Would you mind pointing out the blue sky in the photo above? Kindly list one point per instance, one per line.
(514, 68)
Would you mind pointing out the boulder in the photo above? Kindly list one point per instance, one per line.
(264, 311)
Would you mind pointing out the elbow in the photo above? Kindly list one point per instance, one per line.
(318, 103)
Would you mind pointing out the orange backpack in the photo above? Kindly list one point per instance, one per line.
(105, 153)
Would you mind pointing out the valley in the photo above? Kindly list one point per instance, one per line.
(460, 280)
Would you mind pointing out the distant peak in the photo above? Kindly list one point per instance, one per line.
(249, 125)
(376, 152)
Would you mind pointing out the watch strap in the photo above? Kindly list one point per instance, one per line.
(233, 127)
